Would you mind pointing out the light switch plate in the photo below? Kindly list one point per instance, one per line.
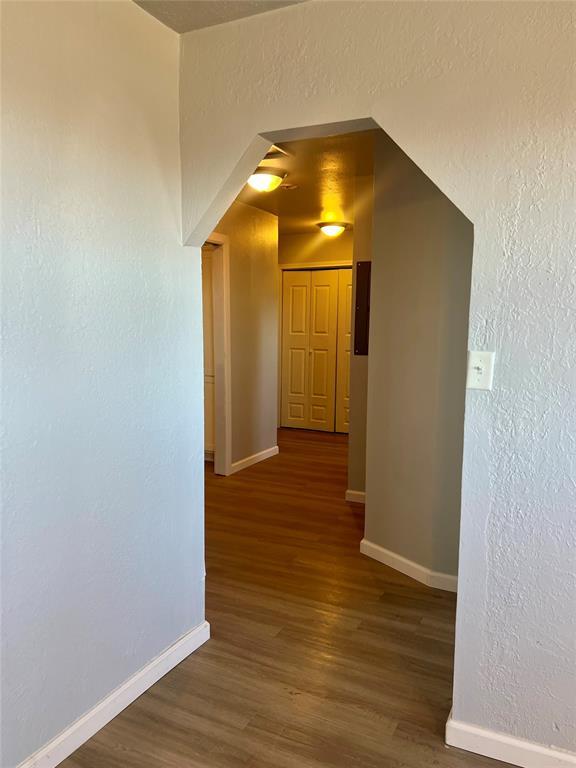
(480, 370)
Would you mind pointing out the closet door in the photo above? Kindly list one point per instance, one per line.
(322, 349)
(344, 347)
(295, 348)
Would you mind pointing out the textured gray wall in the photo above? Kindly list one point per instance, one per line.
(419, 305)
(363, 207)
(254, 327)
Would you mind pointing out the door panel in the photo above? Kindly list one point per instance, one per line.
(317, 416)
(297, 370)
(323, 328)
(344, 350)
(319, 379)
(298, 305)
(320, 308)
(296, 411)
(295, 345)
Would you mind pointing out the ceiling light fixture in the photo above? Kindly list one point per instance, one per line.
(332, 228)
(266, 179)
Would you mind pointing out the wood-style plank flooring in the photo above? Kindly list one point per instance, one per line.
(319, 656)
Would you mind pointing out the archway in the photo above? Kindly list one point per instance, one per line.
(418, 340)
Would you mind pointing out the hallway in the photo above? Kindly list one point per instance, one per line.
(319, 656)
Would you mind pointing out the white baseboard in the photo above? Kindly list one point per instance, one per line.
(358, 497)
(83, 729)
(254, 459)
(209, 454)
(431, 578)
(508, 749)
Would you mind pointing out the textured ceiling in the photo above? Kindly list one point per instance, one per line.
(186, 15)
(322, 172)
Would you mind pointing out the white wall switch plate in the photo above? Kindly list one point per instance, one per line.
(480, 370)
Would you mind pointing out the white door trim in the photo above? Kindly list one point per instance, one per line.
(317, 265)
(222, 358)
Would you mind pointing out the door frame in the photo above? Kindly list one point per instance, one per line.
(222, 354)
(285, 268)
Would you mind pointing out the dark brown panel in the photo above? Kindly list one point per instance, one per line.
(362, 307)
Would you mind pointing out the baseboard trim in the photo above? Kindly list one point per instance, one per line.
(508, 749)
(67, 742)
(408, 567)
(357, 497)
(208, 455)
(254, 459)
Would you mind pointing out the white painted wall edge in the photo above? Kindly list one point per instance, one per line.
(222, 354)
(254, 459)
(358, 497)
(508, 749)
(67, 742)
(431, 578)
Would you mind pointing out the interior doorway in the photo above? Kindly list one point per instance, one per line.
(397, 398)
(208, 336)
(215, 266)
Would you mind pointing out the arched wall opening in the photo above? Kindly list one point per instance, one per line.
(413, 381)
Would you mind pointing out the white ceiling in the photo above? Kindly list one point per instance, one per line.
(186, 15)
(323, 172)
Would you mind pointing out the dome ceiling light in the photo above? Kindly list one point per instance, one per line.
(266, 179)
(332, 228)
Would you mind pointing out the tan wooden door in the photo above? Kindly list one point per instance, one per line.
(344, 346)
(309, 339)
(322, 352)
(295, 349)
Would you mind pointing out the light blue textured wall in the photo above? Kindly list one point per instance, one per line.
(102, 538)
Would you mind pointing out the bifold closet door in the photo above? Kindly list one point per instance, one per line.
(344, 347)
(322, 349)
(295, 348)
(309, 331)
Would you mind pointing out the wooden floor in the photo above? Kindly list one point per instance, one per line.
(319, 656)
